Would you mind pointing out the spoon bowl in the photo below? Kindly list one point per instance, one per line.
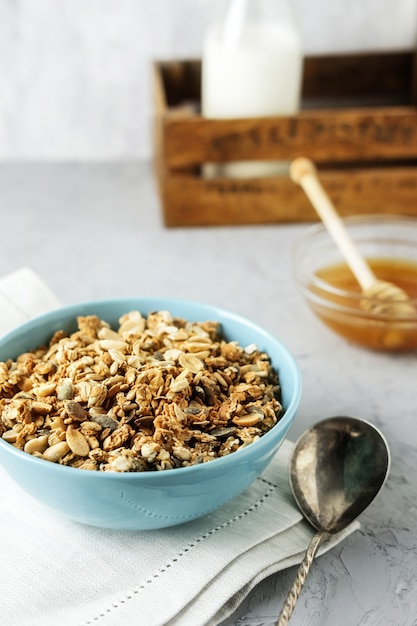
(336, 469)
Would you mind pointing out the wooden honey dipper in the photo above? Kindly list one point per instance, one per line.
(379, 296)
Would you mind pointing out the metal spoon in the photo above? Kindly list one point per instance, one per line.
(336, 469)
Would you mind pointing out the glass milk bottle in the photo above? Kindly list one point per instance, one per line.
(252, 67)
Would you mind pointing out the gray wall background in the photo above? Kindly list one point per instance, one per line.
(75, 74)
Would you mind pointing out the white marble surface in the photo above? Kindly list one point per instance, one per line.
(94, 231)
(75, 74)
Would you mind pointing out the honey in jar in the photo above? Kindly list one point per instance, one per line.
(347, 318)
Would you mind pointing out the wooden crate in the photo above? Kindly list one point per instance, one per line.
(358, 122)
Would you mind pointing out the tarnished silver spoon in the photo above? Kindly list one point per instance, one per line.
(336, 469)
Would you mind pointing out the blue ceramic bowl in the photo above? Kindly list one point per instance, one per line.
(154, 499)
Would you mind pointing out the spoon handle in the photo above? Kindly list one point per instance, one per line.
(303, 172)
(300, 579)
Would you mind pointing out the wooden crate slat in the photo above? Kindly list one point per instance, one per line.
(383, 133)
(192, 201)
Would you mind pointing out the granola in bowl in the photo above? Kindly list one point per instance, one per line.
(157, 393)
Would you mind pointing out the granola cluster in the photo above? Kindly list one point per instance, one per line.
(158, 393)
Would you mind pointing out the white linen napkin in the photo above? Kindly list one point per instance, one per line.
(23, 295)
(55, 571)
